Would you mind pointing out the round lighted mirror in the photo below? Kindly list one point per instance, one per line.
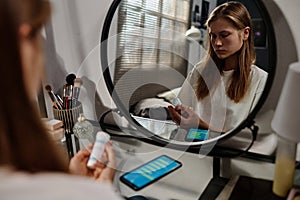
(155, 56)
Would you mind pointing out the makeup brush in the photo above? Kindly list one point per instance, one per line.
(60, 100)
(76, 90)
(54, 100)
(67, 96)
(70, 79)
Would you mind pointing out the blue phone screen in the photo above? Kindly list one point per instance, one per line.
(197, 134)
(151, 171)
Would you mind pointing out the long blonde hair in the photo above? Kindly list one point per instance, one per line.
(237, 14)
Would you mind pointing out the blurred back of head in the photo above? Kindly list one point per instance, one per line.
(24, 144)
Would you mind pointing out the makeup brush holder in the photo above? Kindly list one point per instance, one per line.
(69, 118)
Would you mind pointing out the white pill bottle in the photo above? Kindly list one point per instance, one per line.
(101, 139)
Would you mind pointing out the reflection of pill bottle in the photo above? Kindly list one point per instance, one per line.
(101, 139)
(176, 101)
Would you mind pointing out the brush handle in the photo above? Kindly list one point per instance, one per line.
(55, 101)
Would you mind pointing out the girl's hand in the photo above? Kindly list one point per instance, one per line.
(78, 163)
(186, 118)
(106, 171)
(103, 170)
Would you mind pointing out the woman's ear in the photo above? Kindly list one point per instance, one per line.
(24, 30)
(246, 33)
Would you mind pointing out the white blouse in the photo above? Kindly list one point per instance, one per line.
(50, 186)
(217, 109)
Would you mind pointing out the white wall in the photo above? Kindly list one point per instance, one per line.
(291, 9)
(72, 44)
(286, 44)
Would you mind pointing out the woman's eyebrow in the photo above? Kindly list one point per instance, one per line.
(221, 32)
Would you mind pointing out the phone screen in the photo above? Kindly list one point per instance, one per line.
(197, 135)
(150, 172)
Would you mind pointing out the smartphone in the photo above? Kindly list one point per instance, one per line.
(195, 135)
(150, 172)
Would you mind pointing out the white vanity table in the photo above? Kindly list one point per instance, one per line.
(185, 183)
(189, 181)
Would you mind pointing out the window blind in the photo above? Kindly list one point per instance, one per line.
(151, 37)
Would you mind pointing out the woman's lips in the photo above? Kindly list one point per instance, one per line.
(220, 51)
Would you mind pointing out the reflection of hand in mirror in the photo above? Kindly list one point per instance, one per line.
(186, 118)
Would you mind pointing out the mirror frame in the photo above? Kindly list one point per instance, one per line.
(193, 147)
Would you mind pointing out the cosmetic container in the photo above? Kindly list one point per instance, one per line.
(69, 117)
(284, 167)
(84, 131)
